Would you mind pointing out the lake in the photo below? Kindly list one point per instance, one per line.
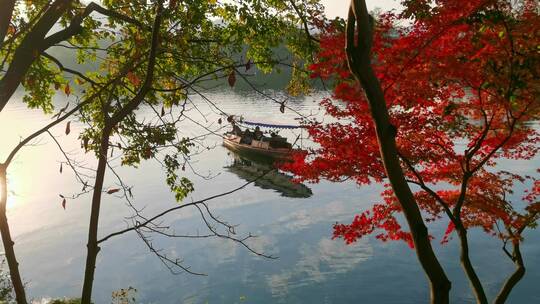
(311, 267)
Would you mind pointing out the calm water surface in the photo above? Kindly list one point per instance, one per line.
(312, 268)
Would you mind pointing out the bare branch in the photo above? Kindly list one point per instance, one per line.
(165, 259)
(143, 224)
(81, 180)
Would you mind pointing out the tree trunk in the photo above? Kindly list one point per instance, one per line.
(512, 281)
(92, 246)
(440, 285)
(359, 60)
(476, 285)
(13, 265)
(29, 49)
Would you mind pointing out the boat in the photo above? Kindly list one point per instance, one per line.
(272, 148)
(265, 147)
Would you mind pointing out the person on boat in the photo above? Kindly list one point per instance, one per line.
(247, 137)
(258, 135)
(277, 141)
(236, 129)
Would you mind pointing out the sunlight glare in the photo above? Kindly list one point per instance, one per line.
(13, 190)
(11, 201)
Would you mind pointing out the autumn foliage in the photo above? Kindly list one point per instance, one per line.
(462, 84)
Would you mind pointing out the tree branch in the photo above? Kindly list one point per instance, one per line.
(75, 27)
(29, 49)
(63, 117)
(68, 70)
(147, 84)
(359, 62)
(310, 37)
(5, 19)
(151, 219)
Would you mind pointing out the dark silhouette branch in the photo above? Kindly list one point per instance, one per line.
(35, 42)
(75, 27)
(68, 160)
(165, 212)
(514, 278)
(5, 19)
(68, 70)
(516, 258)
(60, 118)
(165, 260)
(359, 61)
(9, 251)
(304, 23)
(110, 123)
(420, 182)
(29, 49)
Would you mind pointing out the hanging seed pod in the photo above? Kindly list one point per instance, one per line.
(67, 89)
(232, 78)
(85, 144)
(147, 153)
(111, 191)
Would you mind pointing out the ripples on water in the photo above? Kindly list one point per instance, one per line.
(311, 268)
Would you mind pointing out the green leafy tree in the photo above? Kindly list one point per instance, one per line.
(151, 54)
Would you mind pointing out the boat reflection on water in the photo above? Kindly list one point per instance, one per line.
(251, 167)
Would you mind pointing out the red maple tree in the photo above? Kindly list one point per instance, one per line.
(461, 84)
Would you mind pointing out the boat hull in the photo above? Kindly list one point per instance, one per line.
(232, 142)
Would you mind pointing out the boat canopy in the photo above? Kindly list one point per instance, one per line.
(271, 126)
